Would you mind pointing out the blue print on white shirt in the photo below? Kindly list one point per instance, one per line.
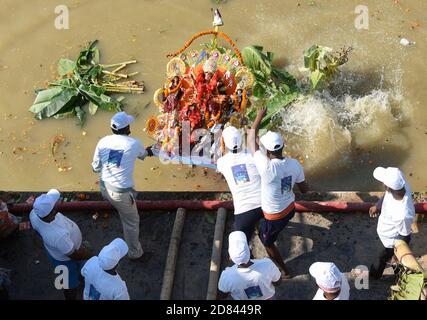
(93, 293)
(240, 174)
(253, 292)
(115, 158)
(286, 184)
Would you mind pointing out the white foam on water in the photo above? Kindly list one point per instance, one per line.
(324, 130)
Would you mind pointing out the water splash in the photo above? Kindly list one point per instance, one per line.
(324, 129)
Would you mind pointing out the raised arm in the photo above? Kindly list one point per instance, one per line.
(253, 144)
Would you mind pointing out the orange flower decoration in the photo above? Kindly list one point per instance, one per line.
(151, 126)
(204, 33)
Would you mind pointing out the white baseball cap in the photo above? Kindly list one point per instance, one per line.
(272, 141)
(111, 254)
(238, 248)
(327, 276)
(44, 204)
(121, 120)
(232, 138)
(391, 177)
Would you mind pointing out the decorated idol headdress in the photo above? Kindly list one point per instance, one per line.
(210, 66)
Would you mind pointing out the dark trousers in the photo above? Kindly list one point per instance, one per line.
(377, 268)
(247, 221)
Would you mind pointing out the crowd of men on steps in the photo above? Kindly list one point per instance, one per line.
(261, 181)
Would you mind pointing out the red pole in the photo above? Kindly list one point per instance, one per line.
(301, 206)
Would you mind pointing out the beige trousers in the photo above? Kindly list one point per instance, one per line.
(125, 204)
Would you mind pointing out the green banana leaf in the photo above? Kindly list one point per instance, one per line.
(66, 66)
(314, 55)
(80, 82)
(52, 101)
(95, 95)
(318, 60)
(88, 57)
(286, 78)
(65, 115)
(93, 108)
(258, 90)
(275, 105)
(65, 83)
(255, 59)
(81, 115)
(316, 79)
(274, 88)
(310, 57)
(43, 99)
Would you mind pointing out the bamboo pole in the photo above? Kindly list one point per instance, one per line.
(118, 64)
(123, 76)
(215, 266)
(119, 68)
(133, 74)
(175, 241)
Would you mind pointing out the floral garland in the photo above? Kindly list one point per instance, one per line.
(204, 33)
(237, 107)
(168, 91)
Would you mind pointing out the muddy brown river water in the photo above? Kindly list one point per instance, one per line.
(374, 115)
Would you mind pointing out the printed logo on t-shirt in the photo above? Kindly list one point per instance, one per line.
(253, 292)
(93, 293)
(240, 174)
(286, 184)
(115, 158)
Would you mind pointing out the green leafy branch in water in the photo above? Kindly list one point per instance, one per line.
(84, 81)
(276, 88)
(273, 87)
(323, 64)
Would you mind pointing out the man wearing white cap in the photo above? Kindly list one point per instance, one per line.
(102, 282)
(247, 279)
(114, 159)
(278, 177)
(61, 238)
(244, 181)
(397, 215)
(333, 285)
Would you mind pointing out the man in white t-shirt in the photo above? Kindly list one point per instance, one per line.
(244, 182)
(333, 285)
(247, 279)
(102, 282)
(114, 159)
(397, 215)
(278, 177)
(61, 238)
